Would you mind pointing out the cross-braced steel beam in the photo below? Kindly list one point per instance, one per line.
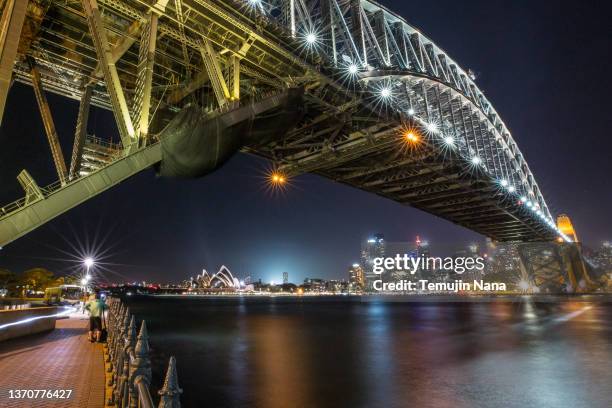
(11, 23)
(47, 118)
(111, 76)
(80, 132)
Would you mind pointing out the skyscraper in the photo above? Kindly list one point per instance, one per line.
(356, 277)
(285, 278)
(370, 249)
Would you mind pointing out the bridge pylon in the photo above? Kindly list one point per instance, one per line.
(555, 267)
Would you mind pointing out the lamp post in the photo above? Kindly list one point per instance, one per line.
(88, 262)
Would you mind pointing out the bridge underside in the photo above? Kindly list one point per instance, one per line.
(149, 60)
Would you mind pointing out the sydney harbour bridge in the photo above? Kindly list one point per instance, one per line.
(345, 89)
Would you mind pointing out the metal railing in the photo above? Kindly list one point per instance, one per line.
(129, 366)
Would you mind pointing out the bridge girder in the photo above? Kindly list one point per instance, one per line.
(350, 134)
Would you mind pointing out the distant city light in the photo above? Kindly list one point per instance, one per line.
(83, 281)
(385, 92)
(449, 140)
(523, 199)
(476, 160)
(432, 127)
(523, 284)
(411, 111)
(512, 189)
(504, 183)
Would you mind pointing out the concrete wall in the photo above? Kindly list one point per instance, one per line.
(23, 329)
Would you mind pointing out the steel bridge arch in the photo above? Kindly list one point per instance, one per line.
(403, 50)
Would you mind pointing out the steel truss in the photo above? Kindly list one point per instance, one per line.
(146, 59)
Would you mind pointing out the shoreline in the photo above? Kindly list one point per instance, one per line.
(416, 298)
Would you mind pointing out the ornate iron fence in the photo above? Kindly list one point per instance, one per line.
(129, 366)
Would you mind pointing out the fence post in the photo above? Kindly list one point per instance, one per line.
(170, 392)
(140, 365)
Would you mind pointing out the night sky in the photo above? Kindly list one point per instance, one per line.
(544, 65)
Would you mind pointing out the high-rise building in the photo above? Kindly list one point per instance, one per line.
(285, 278)
(356, 277)
(370, 249)
(603, 257)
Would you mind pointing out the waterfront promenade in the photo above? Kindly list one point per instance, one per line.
(62, 359)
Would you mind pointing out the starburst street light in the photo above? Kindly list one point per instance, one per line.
(311, 38)
(88, 262)
(277, 179)
(449, 141)
(476, 160)
(353, 69)
(411, 136)
(385, 92)
(255, 4)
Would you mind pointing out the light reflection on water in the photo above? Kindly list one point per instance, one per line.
(339, 352)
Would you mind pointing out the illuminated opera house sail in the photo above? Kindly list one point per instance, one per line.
(223, 279)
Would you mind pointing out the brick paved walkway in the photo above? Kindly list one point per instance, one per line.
(56, 360)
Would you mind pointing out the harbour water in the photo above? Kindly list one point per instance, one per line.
(344, 352)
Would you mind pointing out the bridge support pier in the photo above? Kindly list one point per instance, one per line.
(554, 267)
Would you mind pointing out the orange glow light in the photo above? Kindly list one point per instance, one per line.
(411, 136)
(278, 178)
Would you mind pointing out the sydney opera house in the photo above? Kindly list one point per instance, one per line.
(223, 279)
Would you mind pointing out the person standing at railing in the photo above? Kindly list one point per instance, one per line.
(96, 307)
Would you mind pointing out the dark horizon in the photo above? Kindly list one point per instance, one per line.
(541, 67)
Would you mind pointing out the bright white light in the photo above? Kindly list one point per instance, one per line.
(504, 183)
(449, 140)
(385, 92)
(523, 284)
(523, 199)
(356, 265)
(89, 262)
(87, 277)
(83, 281)
(432, 127)
(512, 189)
(311, 38)
(31, 319)
(411, 111)
(529, 204)
(352, 69)
(476, 160)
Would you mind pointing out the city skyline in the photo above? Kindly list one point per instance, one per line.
(315, 223)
